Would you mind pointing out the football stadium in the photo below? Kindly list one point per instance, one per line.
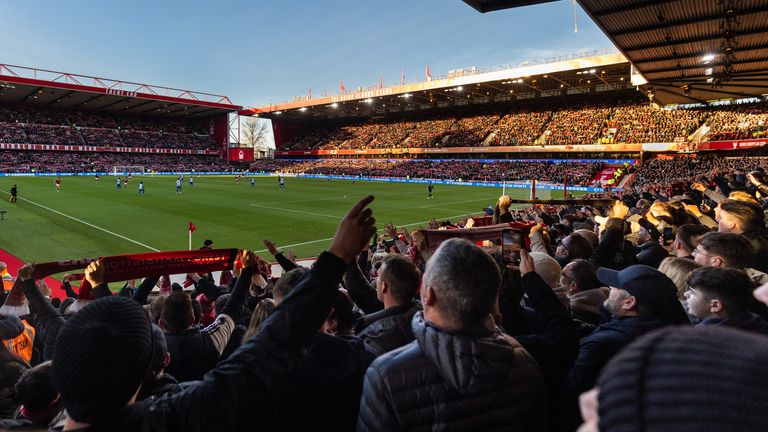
(576, 242)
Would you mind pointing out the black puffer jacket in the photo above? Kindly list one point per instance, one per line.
(470, 380)
(388, 329)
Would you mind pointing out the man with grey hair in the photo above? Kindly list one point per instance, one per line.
(461, 372)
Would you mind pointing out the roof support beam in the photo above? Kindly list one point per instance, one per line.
(88, 100)
(34, 92)
(697, 39)
(119, 101)
(629, 8)
(684, 22)
(713, 65)
(694, 55)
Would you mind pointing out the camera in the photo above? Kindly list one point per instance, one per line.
(511, 245)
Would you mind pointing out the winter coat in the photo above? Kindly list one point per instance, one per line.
(387, 329)
(744, 321)
(239, 391)
(586, 305)
(474, 379)
(325, 387)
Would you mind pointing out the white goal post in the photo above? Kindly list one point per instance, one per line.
(128, 169)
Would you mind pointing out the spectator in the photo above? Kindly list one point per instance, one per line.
(687, 366)
(678, 270)
(741, 217)
(11, 368)
(723, 296)
(112, 333)
(641, 299)
(40, 402)
(585, 292)
(403, 388)
(686, 240)
(396, 286)
(727, 250)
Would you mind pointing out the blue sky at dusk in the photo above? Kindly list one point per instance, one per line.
(258, 52)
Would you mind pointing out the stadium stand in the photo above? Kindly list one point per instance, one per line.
(569, 125)
(642, 303)
(13, 161)
(579, 173)
(22, 124)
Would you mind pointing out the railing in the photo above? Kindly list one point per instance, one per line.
(108, 84)
(468, 71)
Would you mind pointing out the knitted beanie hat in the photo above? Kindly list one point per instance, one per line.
(547, 267)
(687, 379)
(102, 355)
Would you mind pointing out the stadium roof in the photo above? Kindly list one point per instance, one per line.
(492, 5)
(58, 89)
(685, 51)
(581, 74)
(690, 50)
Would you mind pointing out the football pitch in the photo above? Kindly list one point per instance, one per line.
(90, 218)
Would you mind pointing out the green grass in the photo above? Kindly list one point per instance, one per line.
(302, 217)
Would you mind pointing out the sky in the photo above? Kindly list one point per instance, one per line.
(267, 51)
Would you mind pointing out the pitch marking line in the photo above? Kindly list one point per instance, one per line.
(297, 211)
(381, 230)
(87, 223)
(361, 194)
(455, 202)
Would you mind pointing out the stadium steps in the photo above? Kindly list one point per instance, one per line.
(700, 133)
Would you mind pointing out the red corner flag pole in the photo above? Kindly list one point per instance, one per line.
(191, 228)
(565, 187)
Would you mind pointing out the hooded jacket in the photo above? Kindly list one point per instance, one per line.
(473, 379)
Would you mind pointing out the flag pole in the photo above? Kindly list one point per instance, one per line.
(503, 188)
(190, 239)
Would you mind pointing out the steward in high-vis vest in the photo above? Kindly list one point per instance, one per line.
(19, 337)
(7, 278)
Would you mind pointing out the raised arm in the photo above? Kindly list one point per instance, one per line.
(42, 308)
(361, 291)
(237, 390)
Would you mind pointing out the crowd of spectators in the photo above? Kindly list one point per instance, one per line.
(469, 131)
(575, 172)
(570, 126)
(668, 171)
(12, 161)
(643, 311)
(21, 124)
(520, 129)
(620, 122)
(645, 123)
(738, 121)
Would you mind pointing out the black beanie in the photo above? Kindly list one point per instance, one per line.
(102, 355)
(681, 379)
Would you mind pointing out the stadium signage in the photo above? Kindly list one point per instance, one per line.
(76, 148)
(117, 92)
(362, 95)
(650, 147)
(453, 150)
